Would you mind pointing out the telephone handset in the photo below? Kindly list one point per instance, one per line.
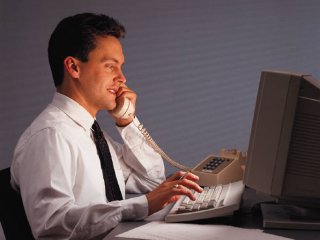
(213, 170)
(124, 109)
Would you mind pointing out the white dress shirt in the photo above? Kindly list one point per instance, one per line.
(57, 170)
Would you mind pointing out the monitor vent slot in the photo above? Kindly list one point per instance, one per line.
(304, 150)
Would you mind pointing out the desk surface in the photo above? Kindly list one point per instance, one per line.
(245, 218)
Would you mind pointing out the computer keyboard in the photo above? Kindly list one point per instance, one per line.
(214, 201)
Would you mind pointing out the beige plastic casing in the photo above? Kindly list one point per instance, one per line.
(125, 109)
(231, 170)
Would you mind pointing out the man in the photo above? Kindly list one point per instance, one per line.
(58, 166)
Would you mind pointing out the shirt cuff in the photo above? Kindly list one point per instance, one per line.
(135, 208)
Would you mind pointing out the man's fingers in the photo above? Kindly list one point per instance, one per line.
(176, 176)
(185, 187)
(181, 190)
(190, 184)
(191, 177)
(183, 174)
(123, 90)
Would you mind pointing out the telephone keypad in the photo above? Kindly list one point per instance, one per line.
(213, 164)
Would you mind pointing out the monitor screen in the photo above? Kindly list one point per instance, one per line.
(284, 148)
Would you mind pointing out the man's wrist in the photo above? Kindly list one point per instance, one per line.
(123, 122)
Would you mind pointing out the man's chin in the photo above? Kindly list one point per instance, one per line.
(110, 108)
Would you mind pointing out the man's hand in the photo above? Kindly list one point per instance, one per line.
(171, 190)
(125, 92)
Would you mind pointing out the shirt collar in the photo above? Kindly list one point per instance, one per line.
(74, 110)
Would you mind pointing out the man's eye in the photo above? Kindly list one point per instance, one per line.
(110, 67)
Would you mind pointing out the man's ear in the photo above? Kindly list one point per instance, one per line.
(71, 66)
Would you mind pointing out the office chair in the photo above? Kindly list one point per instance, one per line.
(12, 215)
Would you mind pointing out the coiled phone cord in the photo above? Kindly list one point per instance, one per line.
(155, 146)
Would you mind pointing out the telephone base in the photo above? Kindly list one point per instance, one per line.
(223, 169)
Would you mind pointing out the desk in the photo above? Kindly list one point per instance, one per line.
(245, 218)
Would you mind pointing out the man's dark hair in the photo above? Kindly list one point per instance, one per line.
(76, 36)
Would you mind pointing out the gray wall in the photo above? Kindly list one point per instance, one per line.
(194, 64)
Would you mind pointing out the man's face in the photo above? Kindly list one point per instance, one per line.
(101, 76)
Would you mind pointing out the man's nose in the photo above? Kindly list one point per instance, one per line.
(121, 78)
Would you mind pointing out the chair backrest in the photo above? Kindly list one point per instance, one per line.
(12, 215)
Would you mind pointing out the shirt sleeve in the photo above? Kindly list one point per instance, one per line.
(45, 175)
(142, 166)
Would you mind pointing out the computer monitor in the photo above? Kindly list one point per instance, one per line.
(284, 148)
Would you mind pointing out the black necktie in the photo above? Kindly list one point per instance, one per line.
(110, 180)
